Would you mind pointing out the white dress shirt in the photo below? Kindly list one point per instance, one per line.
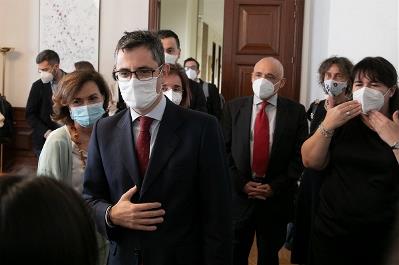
(156, 114)
(270, 109)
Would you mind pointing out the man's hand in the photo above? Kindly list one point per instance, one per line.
(140, 216)
(257, 190)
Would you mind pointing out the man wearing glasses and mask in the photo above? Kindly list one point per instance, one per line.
(39, 105)
(159, 189)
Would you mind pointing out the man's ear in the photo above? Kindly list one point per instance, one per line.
(282, 82)
(178, 55)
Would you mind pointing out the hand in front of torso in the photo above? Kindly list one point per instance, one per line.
(387, 129)
(257, 190)
(138, 216)
(340, 114)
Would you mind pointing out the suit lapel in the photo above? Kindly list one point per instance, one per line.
(165, 144)
(243, 121)
(282, 117)
(127, 148)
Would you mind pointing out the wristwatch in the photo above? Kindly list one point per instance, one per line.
(395, 145)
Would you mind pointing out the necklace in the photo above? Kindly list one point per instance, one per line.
(76, 140)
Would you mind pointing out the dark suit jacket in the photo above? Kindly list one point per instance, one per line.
(285, 165)
(198, 101)
(38, 111)
(213, 101)
(187, 174)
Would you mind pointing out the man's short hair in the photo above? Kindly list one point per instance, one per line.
(48, 55)
(142, 38)
(191, 59)
(167, 33)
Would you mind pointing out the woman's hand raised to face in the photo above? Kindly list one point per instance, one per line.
(387, 129)
(340, 114)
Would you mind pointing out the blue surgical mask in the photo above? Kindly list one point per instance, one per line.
(87, 115)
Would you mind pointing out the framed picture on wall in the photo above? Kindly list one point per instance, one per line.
(70, 28)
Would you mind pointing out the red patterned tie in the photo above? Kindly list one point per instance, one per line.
(260, 157)
(143, 143)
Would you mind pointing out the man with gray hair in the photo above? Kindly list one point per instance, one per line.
(263, 136)
(156, 175)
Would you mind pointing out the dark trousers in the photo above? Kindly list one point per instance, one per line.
(270, 237)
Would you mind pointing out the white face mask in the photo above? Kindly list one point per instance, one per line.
(263, 88)
(170, 58)
(46, 77)
(369, 98)
(174, 96)
(192, 74)
(139, 94)
(334, 88)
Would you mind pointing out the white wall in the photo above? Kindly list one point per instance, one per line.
(19, 20)
(354, 29)
(174, 17)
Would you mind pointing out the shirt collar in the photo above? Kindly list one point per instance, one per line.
(272, 100)
(156, 113)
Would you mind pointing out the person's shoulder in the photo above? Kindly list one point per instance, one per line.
(111, 121)
(289, 103)
(38, 83)
(237, 102)
(59, 135)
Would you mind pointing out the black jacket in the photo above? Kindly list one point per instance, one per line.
(38, 111)
(213, 100)
(285, 164)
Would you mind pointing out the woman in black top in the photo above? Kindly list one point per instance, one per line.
(360, 190)
(334, 78)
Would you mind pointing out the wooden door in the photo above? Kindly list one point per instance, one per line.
(254, 29)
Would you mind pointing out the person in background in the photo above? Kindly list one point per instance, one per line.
(81, 100)
(156, 177)
(84, 66)
(334, 79)
(263, 135)
(359, 195)
(171, 45)
(175, 86)
(211, 92)
(43, 221)
(39, 104)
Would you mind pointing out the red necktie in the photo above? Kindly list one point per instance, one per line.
(260, 157)
(143, 143)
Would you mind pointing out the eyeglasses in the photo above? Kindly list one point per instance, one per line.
(140, 74)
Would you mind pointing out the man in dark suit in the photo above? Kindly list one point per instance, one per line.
(156, 176)
(263, 135)
(39, 106)
(171, 45)
(211, 92)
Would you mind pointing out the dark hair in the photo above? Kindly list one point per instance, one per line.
(191, 59)
(48, 55)
(43, 221)
(167, 33)
(177, 69)
(84, 66)
(142, 38)
(344, 65)
(378, 69)
(71, 84)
